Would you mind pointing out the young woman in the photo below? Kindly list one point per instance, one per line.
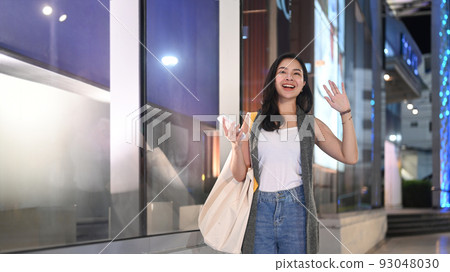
(283, 217)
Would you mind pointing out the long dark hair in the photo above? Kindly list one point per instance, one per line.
(270, 96)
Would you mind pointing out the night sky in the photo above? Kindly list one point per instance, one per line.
(420, 29)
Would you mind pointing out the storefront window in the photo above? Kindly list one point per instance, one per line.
(56, 176)
(316, 31)
(182, 84)
(55, 123)
(69, 37)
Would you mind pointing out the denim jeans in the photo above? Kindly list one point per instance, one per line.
(281, 222)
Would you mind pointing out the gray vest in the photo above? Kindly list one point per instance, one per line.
(306, 130)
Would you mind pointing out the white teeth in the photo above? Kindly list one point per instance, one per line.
(288, 86)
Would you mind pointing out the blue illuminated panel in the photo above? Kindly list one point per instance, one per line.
(444, 95)
(72, 39)
(187, 31)
(408, 54)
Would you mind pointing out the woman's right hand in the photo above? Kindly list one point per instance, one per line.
(234, 134)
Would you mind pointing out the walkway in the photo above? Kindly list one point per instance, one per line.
(436, 243)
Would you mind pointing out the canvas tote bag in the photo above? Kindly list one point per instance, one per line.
(223, 218)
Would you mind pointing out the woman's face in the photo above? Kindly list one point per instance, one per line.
(289, 79)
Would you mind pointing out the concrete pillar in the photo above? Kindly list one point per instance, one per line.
(392, 181)
(229, 65)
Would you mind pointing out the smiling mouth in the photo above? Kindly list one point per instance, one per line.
(288, 86)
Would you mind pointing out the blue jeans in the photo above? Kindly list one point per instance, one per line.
(281, 222)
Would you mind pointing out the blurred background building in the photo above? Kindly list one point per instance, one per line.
(108, 113)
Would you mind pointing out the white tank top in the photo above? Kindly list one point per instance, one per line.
(279, 160)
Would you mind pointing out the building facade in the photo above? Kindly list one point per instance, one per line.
(108, 112)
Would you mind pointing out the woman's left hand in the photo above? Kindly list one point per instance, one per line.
(336, 99)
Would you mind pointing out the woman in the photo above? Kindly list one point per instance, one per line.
(283, 217)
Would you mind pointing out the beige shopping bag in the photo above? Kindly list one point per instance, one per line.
(223, 218)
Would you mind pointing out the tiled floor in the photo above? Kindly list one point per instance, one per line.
(390, 211)
(417, 244)
(436, 243)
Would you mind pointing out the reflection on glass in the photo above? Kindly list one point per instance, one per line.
(266, 34)
(47, 10)
(182, 80)
(55, 140)
(442, 245)
(54, 165)
(78, 48)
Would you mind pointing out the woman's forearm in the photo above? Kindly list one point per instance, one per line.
(349, 143)
(238, 168)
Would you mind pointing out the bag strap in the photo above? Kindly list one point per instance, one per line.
(253, 117)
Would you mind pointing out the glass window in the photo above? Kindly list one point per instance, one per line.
(70, 37)
(270, 29)
(55, 164)
(55, 140)
(182, 84)
(254, 52)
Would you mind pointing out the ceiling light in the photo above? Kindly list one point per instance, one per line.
(169, 61)
(47, 10)
(415, 111)
(410, 106)
(63, 17)
(387, 77)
